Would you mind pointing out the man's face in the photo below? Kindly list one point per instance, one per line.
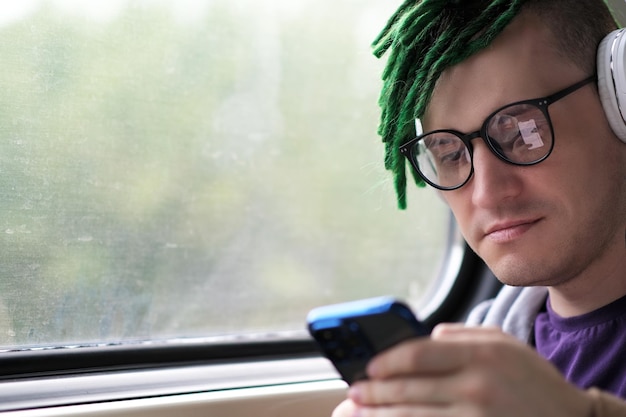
(549, 223)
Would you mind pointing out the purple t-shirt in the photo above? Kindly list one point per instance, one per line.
(590, 350)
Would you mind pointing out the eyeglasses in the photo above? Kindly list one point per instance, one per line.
(520, 133)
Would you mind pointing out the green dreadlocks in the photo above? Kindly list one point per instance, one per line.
(424, 38)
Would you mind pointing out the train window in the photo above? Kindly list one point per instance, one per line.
(181, 169)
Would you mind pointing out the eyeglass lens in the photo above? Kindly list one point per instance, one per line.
(520, 134)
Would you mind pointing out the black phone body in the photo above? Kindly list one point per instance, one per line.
(350, 334)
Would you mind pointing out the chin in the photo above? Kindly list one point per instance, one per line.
(516, 271)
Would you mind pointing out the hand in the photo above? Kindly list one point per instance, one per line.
(346, 409)
(460, 371)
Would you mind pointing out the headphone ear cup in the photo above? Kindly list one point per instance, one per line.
(611, 61)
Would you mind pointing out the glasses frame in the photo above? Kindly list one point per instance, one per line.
(541, 103)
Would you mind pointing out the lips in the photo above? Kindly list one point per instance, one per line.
(510, 230)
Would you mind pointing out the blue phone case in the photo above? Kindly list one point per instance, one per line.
(350, 334)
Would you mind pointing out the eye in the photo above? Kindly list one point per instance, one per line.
(504, 128)
(446, 150)
(452, 157)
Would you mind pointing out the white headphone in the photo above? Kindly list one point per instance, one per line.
(612, 80)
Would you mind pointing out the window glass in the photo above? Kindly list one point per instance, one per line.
(196, 168)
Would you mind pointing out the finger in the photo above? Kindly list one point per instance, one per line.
(419, 356)
(446, 328)
(407, 411)
(461, 333)
(416, 391)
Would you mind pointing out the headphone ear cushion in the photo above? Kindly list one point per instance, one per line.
(611, 61)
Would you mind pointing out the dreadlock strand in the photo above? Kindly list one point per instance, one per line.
(409, 10)
(394, 89)
(411, 105)
(382, 41)
(432, 66)
(398, 80)
(500, 23)
(417, 32)
(417, 26)
(404, 96)
(406, 107)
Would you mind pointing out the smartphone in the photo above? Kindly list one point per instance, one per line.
(352, 333)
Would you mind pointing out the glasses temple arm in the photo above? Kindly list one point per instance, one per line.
(560, 94)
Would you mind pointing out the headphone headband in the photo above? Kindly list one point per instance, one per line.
(611, 61)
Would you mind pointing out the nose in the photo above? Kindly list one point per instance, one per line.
(494, 180)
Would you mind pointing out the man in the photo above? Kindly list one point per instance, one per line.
(538, 191)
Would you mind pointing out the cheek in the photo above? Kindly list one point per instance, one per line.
(459, 203)
(590, 158)
(588, 172)
(581, 125)
(585, 143)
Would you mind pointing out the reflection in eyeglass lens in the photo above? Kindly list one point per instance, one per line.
(520, 133)
(530, 134)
